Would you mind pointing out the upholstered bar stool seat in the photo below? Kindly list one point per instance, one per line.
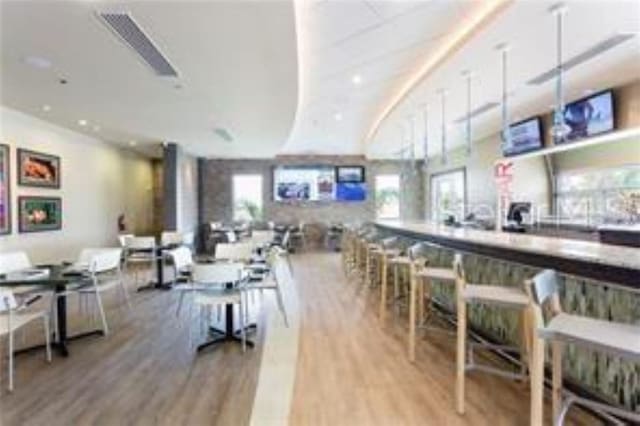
(495, 295)
(442, 274)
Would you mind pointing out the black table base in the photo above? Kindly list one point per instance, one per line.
(228, 334)
(60, 347)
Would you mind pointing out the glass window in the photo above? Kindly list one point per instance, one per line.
(247, 197)
(448, 195)
(598, 196)
(387, 193)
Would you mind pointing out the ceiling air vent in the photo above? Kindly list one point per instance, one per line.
(588, 54)
(123, 25)
(223, 134)
(478, 111)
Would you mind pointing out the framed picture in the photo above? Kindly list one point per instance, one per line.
(38, 169)
(350, 174)
(5, 191)
(39, 213)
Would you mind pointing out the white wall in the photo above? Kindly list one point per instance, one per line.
(99, 181)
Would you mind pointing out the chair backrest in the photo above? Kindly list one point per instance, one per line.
(388, 242)
(86, 256)
(182, 258)
(217, 273)
(122, 239)
(544, 286)
(141, 243)
(188, 238)
(7, 300)
(171, 238)
(285, 240)
(231, 236)
(262, 237)
(458, 270)
(105, 260)
(415, 251)
(240, 252)
(14, 261)
(215, 225)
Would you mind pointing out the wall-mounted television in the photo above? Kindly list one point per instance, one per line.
(590, 116)
(351, 191)
(350, 174)
(526, 136)
(303, 183)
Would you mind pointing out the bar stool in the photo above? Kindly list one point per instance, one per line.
(495, 295)
(421, 277)
(364, 243)
(616, 339)
(376, 256)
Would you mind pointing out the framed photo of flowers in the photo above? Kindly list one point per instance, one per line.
(5, 191)
(39, 213)
(38, 169)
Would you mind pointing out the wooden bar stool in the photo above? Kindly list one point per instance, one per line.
(421, 280)
(617, 339)
(377, 256)
(363, 245)
(399, 263)
(495, 295)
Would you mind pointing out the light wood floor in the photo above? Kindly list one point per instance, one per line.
(143, 373)
(353, 370)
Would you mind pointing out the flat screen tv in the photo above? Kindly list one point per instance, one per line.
(303, 183)
(352, 174)
(351, 191)
(590, 116)
(526, 136)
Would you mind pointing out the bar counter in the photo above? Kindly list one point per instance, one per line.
(597, 280)
(588, 259)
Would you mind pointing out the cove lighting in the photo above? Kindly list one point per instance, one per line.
(356, 79)
(83, 122)
(46, 108)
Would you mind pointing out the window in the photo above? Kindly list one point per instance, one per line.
(448, 195)
(598, 196)
(247, 197)
(387, 196)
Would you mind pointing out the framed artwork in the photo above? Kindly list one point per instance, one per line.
(5, 191)
(39, 213)
(38, 169)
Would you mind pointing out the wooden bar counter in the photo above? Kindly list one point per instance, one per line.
(598, 280)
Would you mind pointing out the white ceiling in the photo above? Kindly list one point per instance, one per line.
(236, 61)
(529, 29)
(279, 78)
(377, 40)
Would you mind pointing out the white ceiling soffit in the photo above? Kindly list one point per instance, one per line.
(596, 47)
(376, 41)
(235, 93)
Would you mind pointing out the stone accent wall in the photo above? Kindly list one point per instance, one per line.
(216, 194)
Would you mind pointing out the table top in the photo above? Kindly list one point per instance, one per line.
(46, 276)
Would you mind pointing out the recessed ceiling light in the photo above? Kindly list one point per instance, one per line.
(337, 116)
(46, 108)
(96, 128)
(589, 92)
(356, 79)
(133, 143)
(38, 62)
(83, 122)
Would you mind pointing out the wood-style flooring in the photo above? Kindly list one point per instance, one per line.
(353, 370)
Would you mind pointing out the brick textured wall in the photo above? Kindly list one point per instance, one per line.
(216, 202)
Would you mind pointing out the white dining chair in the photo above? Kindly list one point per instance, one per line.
(216, 285)
(237, 252)
(103, 274)
(122, 239)
(171, 238)
(182, 261)
(12, 319)
(139, 252)
(18, 261)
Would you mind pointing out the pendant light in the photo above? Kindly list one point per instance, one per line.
(413, 143)
(559, 130)
(467, 75)
(443, 106)
(506, 133)
(425, 137)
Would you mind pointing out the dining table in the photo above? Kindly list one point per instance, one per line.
(159, 255)
(56, 279)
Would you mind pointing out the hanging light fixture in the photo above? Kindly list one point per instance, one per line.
(413, 142)
(425, 137)
(467, 75)
(506, 133)
(559, 130)
(443, 106)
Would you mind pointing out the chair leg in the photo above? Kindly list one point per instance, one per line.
(243, 331)
(412, 319)
(556, 387)
(10, 361)
(461, 355)
(281, 306)
(125, 293)
(180, 300)
(383, 289)
(103, 317)
(54, 315)
(537, 381)
(47, 336)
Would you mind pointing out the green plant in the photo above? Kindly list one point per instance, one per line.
(247, 209)
(386, 196)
